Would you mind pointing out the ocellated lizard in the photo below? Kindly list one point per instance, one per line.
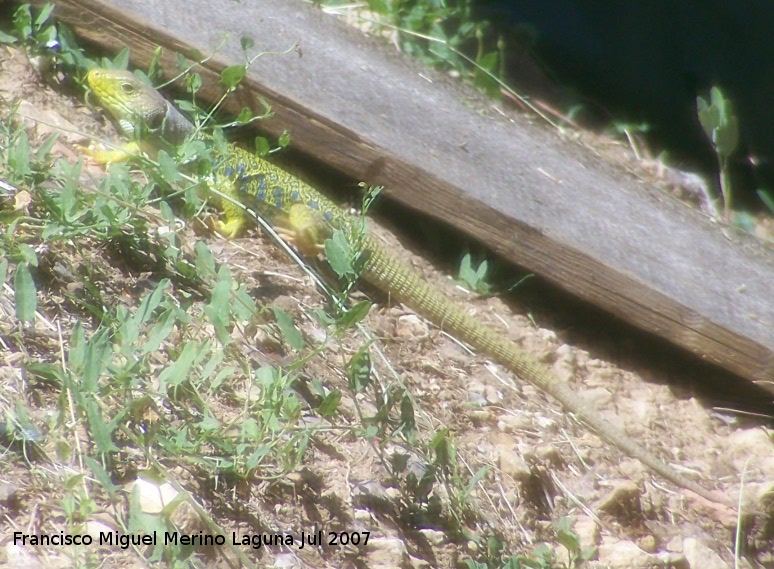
(283, 199)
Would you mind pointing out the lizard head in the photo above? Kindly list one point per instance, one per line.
(137, 107)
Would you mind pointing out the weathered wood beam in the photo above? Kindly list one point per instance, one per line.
(539, 201)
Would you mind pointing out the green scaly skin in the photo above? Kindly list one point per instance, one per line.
(286, 201)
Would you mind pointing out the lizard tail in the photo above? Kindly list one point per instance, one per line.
(385, 272)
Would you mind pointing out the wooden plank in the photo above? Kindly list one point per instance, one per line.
(543, 203)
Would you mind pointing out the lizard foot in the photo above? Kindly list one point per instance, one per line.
(102, 155)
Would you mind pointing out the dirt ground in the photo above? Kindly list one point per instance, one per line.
(543, 464)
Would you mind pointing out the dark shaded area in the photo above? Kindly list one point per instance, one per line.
(647, 60)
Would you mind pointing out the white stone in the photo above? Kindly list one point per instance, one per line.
(700, 556)
(626, 555)
(387, 553)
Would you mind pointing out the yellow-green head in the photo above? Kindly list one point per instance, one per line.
(140, 111)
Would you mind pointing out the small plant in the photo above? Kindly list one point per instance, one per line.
(48, 44)
(543, 556)
(37, 34)
(474, 278)
(577, 556)
(722, 128)
(441, 34)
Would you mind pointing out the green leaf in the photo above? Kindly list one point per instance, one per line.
(209, 368)
(28, 254)
(244, 305)
(516, 563)
(262, 147)
(209, 423)
(76, 355)
(186, 106)
(232, 75)
(73, 482)
(22, 21)
(545, 554)
(482, 270)
(765, 195)
(719, 122)
(727, 137)
(101, 475)
(168, 167)
(167, 214)
(467, 274)
(128, 332)
(3, 270)
(370, 195)
(379, 6)
(566, 536)
(155, 72)
(69, 50)
(284, 139)
(477, 477)
(219, 141)
(45, 12)
(222, 376)
(257, 457)
(20, 156)
(63, 450)
(354, 315)
(27, 430)
(100, 432)
(440, 444)
(719, 101)
(709, 116)
(250, 428)
(288, 328)
(7, 38)
(483, 78)
(359, 370)
(121, 61)
(219, 310)
(330, 403)
(193, 83)
(25, 295)
(177, 373)
(588, 553)
(182, 62)
(472, 277)
(47, 37)
(407, 419)
(161, 330)
(45, 148)
(564, 525)
(247, 43)
(96, 355)
(339, 254)
(743, 220)
(149, 304)
(204, 260)
(244, 116)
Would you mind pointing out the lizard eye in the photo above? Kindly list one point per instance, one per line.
(127, 88)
